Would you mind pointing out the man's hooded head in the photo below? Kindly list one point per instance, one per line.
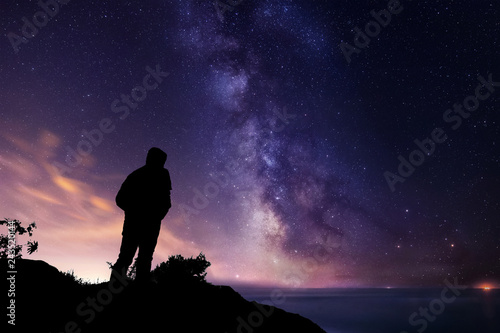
(156, 158)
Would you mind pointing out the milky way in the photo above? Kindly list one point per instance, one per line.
(277, 145)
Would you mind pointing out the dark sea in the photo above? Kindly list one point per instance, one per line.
(389, 310)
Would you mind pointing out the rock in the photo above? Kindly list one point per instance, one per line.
(50, 301)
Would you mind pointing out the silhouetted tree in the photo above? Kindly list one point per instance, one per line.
(178, 269)
(13, 249)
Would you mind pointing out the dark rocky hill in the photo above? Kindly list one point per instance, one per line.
(47, 300)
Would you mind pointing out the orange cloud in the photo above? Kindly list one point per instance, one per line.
(49, 139)
(39, 194)
(101, 203)
(68, 184)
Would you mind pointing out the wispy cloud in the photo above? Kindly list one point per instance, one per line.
(79, 225)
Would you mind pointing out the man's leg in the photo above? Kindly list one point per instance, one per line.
(147, 245)
(130, 242)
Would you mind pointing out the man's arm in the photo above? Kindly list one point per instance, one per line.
(166, 190)
(122, 197)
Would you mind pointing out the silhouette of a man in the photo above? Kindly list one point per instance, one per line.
(145, 198)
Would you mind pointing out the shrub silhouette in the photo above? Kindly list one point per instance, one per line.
(13, 250)
(178, 269)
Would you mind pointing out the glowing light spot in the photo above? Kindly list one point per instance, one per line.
(101, 203)
(66, 184)
(487, 285)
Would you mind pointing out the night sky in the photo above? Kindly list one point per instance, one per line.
(284, 135)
